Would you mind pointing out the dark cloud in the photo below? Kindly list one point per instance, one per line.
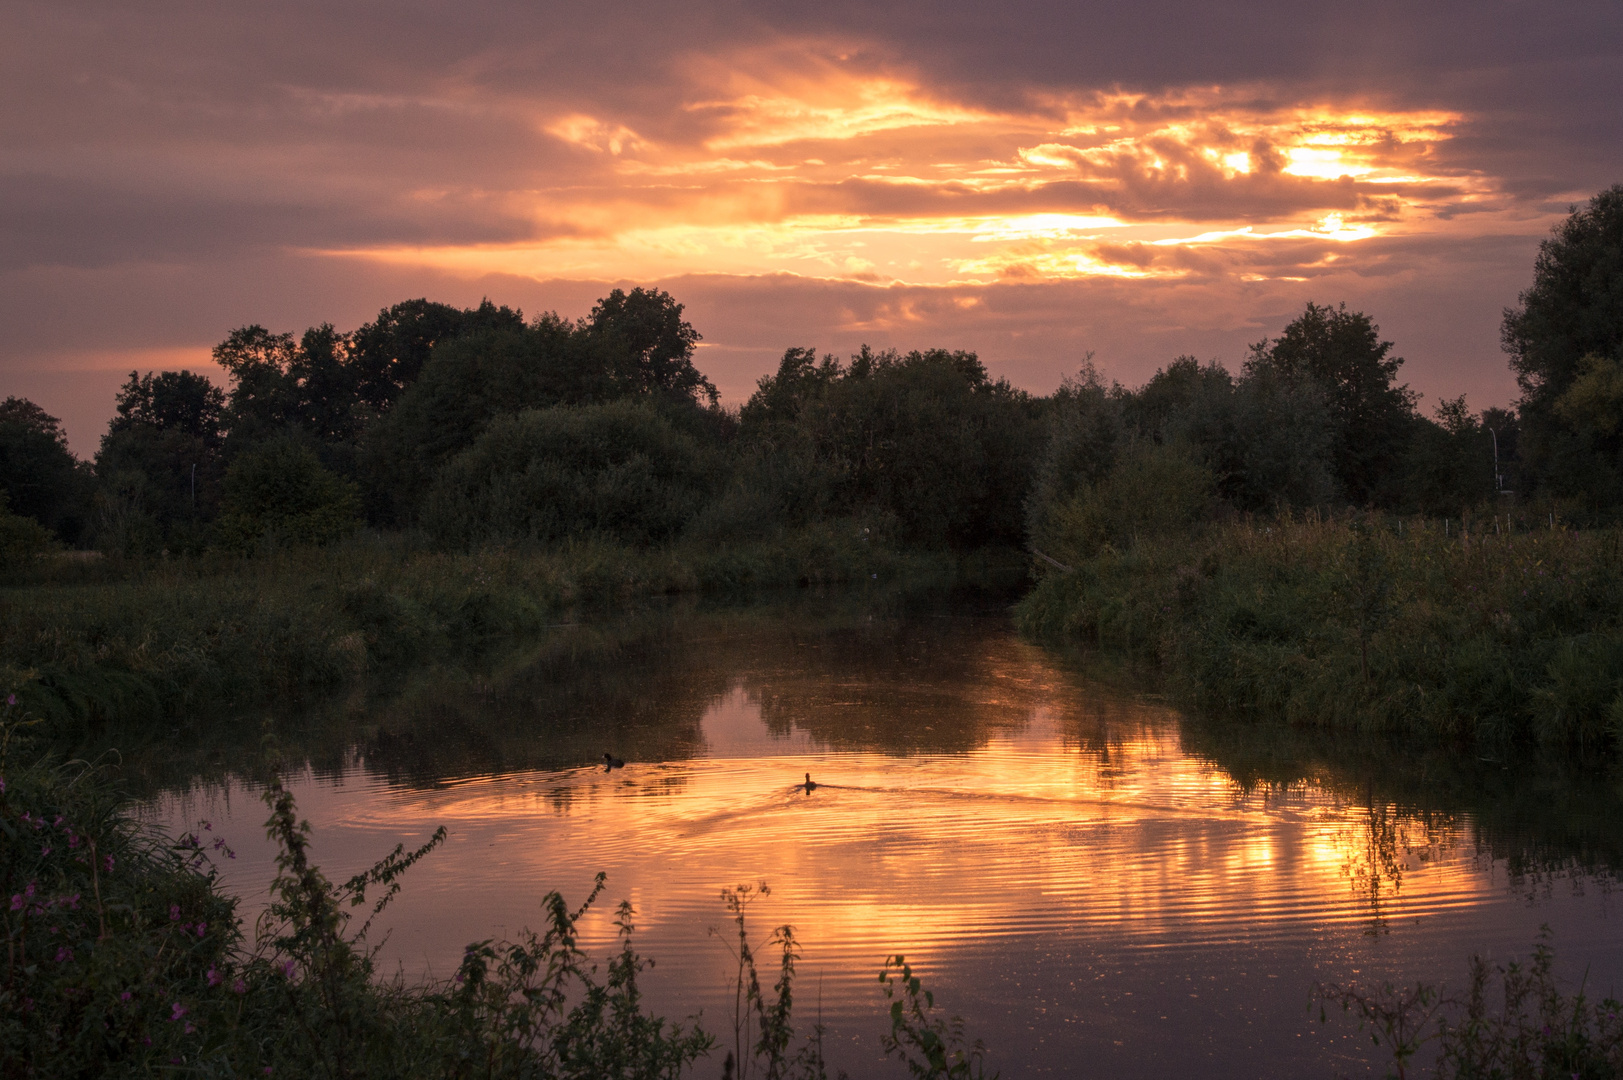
(166, 167)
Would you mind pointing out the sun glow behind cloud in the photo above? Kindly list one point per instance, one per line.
(836, 173)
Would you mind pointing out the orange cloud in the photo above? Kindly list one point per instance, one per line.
(780, 161)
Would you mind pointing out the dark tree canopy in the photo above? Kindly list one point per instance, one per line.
(38, 473)
(1341, 352)
(646, 325)
(1574, 307)
(160, 463)
(389, 353)
(926, 439)
(1565, 341)
(171, 401)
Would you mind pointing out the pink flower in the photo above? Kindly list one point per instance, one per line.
(174, 912)
(202, 926)
(287, 968)
(64, 954)
(238, 986)
(109, 864)
(177, 1010)
(125, 996)
(17, 901)
(213, 977)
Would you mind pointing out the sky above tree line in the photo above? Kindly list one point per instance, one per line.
(1032, 181)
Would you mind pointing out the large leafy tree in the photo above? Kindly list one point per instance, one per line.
(925, 441)
(645, 326)
(1341, 354)
(388, 353)
(160, 463)
(39, 475)
(1565, 340)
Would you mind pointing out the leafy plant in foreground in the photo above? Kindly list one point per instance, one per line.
(1540, 1032)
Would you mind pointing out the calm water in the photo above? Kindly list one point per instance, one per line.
(1098, 885)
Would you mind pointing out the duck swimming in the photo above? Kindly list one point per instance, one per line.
(611, 762)
(810, 785)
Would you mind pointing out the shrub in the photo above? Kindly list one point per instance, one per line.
(279, 492)
(619, 471)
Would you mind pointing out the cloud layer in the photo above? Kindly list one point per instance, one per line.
(1032, 182)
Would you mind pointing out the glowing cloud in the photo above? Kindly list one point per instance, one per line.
(848, 174)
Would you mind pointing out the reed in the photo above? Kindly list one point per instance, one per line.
(1366, 623)
(140, 644)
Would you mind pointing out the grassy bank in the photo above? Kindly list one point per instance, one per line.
(1365, 623)
(85, 644)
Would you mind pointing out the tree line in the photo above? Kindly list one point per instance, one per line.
(478, 426)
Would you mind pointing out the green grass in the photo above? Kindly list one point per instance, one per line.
(124, 646)
(1367, 624)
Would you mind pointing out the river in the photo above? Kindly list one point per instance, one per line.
(1097, 884)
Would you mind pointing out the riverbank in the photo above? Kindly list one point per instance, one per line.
(86, 645)
(1366, 623)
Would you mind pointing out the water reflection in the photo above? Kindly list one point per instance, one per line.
(1079, 871)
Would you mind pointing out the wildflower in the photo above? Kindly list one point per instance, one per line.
(11, 699)
(71, 901)
(174, 912)
(177, 1010)
(17, 901)
(238, 986)
(108, 862)
(190, 1029)
(201, 927)
(125, 996)
(287, 968)
(213, 977)
(64, 954)
(46, 850)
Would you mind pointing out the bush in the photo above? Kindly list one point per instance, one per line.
(279, 492)
(618, 471)
(22, 539)
(1151, 492)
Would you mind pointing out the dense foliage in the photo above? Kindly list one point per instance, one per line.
(1493, 629)
(473, 430)
(1565, 340)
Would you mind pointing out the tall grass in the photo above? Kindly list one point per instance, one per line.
(143, 643)
(1367, 623)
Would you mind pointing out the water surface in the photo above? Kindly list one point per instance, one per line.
(1100, 886)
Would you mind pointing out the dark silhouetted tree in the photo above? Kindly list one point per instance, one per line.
(160, 463)
(1371, 416)
(1565, 340)
(647, 328)
(40, 476)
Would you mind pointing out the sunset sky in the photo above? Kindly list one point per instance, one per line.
(1031, 181)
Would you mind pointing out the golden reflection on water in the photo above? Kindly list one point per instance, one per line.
(977, 806)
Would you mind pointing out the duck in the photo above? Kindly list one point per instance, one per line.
(810, 785)
(611, 762)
